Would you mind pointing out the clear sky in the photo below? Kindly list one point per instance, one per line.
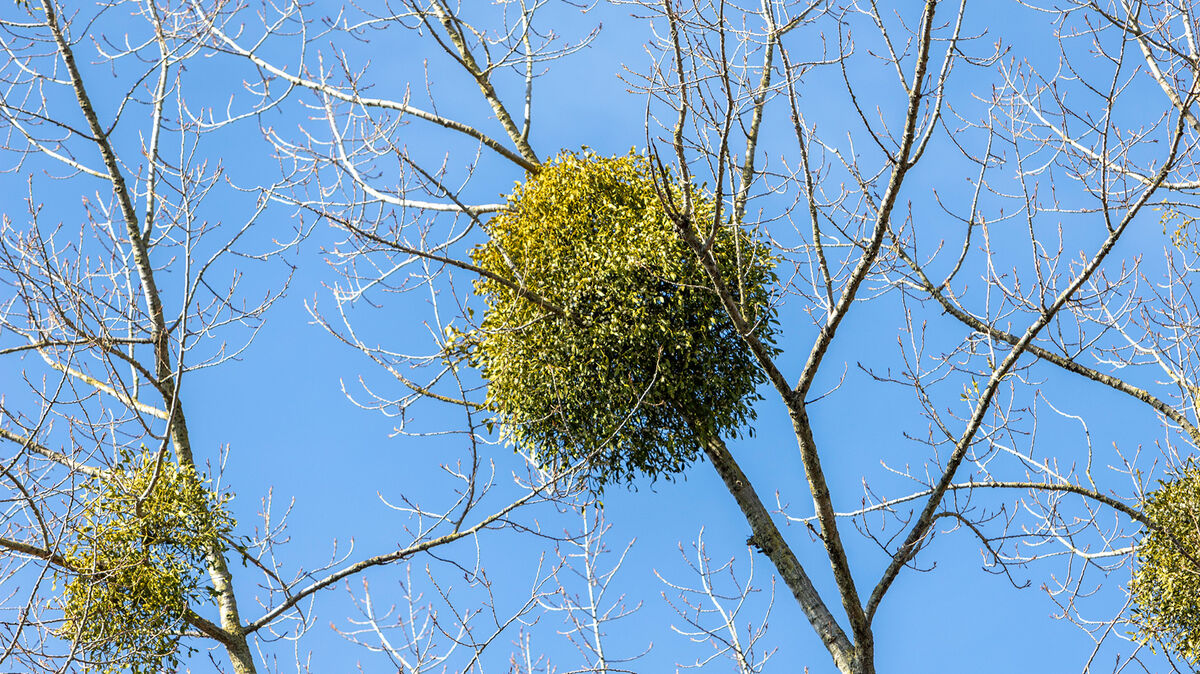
(283, 420)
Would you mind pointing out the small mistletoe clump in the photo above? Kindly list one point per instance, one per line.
(607, 343)
(138, 561)
(1166, 580)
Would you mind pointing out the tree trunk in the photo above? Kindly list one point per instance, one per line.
(240, 655)
(767, 538)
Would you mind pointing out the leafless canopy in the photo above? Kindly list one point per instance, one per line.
(983, 218)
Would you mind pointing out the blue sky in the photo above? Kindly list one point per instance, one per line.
(281, 409)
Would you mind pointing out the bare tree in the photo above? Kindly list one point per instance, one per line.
(710, 612)
(988, 204)
(105, 321)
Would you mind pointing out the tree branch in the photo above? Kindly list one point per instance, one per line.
(768, 538)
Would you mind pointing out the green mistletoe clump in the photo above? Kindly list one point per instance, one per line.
(1166, 580)
(603, 339)
(137, 563)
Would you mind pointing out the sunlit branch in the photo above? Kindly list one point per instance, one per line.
(367, 102)
(57, 457)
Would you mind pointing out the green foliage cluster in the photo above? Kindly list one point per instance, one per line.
(147, 526)
(1166, 580)
(644, 361)
(1180, 226)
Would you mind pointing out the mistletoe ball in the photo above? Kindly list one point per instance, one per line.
(603, 341)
